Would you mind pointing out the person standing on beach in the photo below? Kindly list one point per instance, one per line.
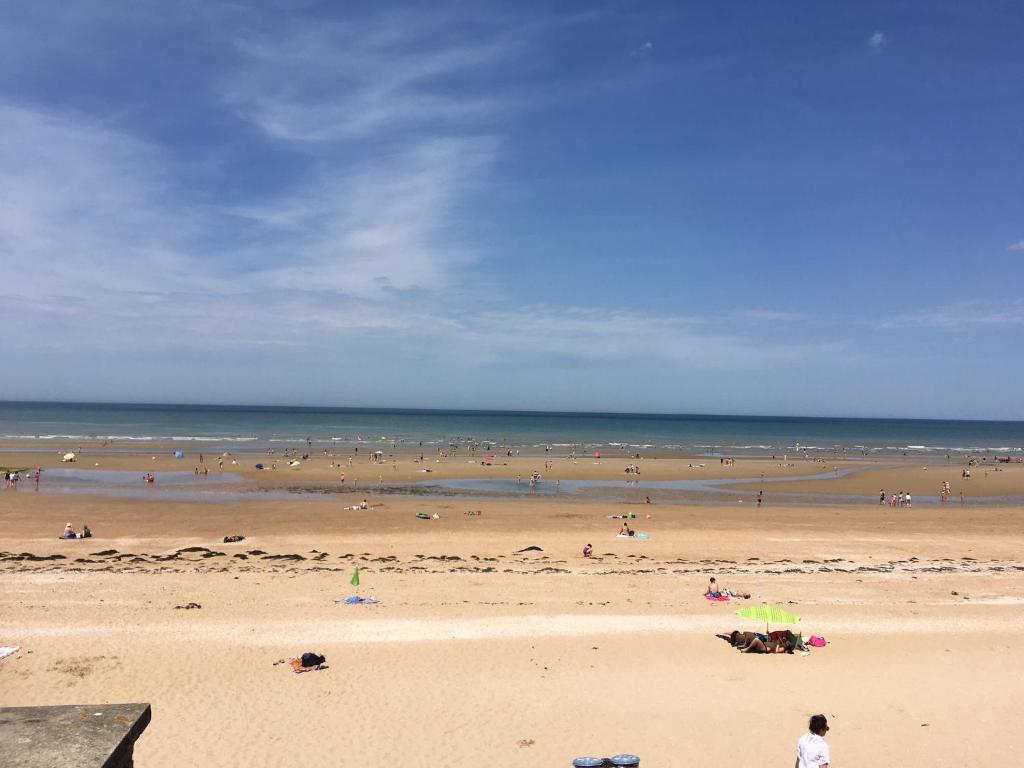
(812, 750)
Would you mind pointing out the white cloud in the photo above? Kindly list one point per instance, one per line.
(96, 245)
(961, 315)
(769, 315)
(617, 336)
(1018, 246)
(382, 226)
(86, 208)
(878, 40)
(313, 82)
(645, 49)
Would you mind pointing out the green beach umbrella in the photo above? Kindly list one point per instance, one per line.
(768, 613)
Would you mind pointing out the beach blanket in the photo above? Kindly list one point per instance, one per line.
(719, 599)
(8, 650)
(357, 600)
(297, 666)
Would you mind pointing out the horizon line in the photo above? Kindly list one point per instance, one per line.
(488, 411)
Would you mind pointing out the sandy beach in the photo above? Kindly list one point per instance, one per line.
(495, 639)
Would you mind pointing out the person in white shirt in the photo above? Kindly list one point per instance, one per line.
(811, 750)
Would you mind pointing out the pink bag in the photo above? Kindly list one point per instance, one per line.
(816, 641)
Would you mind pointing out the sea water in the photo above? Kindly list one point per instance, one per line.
(49, 426)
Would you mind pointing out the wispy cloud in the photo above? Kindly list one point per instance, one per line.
(645, 49)
(960, 315)
(878, 40)
(399, 129)
(373, 214)
(769, 315)
(621, 335)
(316, 81)
(113, 245)
(1018, 246)
(380, 226)
(88, 208)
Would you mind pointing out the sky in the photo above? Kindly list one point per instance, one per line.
(787, 208)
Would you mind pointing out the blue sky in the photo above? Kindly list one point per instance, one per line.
(777, 208)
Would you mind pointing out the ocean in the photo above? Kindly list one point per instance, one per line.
(220, 427)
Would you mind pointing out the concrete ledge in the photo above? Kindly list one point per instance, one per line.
(78, 736)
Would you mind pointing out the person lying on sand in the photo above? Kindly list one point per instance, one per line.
(783, 641)
(757, 645)
(234, 538)
(715, 592)
(738, 639)
(309, 662)
(730, 593)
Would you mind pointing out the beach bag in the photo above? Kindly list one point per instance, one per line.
(816, 641)
(312, 659)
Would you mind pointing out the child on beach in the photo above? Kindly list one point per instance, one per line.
(811, 750)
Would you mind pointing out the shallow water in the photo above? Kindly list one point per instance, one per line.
(227, 487)
(551, 488)
(64, 476)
